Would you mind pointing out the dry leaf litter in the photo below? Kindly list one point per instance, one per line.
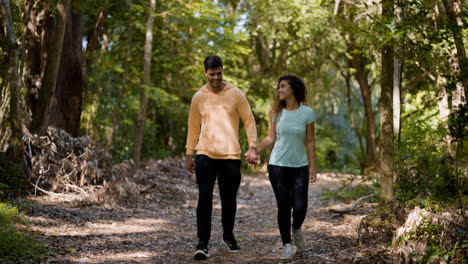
(99, 212)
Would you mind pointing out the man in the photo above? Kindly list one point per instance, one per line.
(213, 133)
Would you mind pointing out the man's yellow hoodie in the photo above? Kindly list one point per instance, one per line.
(213, 123)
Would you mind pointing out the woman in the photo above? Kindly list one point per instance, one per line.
(291, 124)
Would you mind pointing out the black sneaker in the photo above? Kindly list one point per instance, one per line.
(201, 252)
(232, 244)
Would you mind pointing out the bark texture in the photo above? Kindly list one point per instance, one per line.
(145, 82)
(52, 62)
(386, 112)
(453, 9)
(66, 105)
(12, 83)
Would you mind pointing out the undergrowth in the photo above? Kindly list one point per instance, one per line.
(350, 192)
(443, 244)
(16, 244)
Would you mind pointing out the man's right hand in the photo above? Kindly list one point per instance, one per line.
(189, 164)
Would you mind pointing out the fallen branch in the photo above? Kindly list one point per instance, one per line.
(146, 189)
(50, 193)
(76, 187)
(358, 201)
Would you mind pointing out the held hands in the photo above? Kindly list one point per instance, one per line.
(312, 175)
(251, 156)
(189, 164)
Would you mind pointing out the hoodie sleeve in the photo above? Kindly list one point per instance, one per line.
(194, 122)
(247, 117)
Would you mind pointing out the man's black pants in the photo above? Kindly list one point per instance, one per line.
(229, 177)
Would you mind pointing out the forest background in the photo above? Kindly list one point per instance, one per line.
(388, 80)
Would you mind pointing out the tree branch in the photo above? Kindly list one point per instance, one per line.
(358, 201)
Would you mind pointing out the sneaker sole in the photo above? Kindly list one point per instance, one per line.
(300, 248)
(301, 245)
(229, 248)
(200, 255)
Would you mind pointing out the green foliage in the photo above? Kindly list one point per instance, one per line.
(259, 41)
(16, 245)
(179, 48)
(348, 191)
(427, 165)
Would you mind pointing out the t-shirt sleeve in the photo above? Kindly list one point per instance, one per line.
(310, 116)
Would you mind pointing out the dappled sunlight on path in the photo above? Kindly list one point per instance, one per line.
(165, 232)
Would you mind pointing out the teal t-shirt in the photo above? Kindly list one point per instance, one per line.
(289, 149)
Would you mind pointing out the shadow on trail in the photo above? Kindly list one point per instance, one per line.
(152, 232)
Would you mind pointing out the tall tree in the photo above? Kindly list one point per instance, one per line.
(398, 70)
(93, 41)
(56, 32)
(66, 104)
(454, 9)
(386, 109)
(115, 119)
(347, 78)
(358, 62)
(400, 14)
(12, 82)
(358, 54)
(145, 82)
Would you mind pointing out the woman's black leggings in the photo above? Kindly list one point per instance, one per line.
(290, 186)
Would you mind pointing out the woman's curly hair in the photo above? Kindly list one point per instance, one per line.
(299, 91)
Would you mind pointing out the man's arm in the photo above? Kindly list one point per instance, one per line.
(249, 125)
(193, 133)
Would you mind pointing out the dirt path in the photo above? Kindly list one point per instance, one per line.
(163, 232)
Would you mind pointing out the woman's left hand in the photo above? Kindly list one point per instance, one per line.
(251, 156)
(312, 175)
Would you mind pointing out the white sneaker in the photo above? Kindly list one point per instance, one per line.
(299, 239)
(287, 251)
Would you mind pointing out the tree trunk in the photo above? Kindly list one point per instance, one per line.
(453, 9)
(397, 86)
(386, 112)
(40, 110)
(145, 82)
(32, 59)
(347, 78)
(351, 115)
(110, 136)
(93, 38)
(66, 104)
(12, 83)
(5, 131)
(398, 70)
(358, 62)
(443, 103)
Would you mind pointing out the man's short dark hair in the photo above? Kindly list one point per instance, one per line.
(212, 62)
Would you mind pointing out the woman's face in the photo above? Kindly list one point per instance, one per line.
(284, 90)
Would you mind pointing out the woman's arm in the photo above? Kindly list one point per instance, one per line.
(311, 151)
(269, 139)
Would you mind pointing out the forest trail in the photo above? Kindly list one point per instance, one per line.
(165, 231)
